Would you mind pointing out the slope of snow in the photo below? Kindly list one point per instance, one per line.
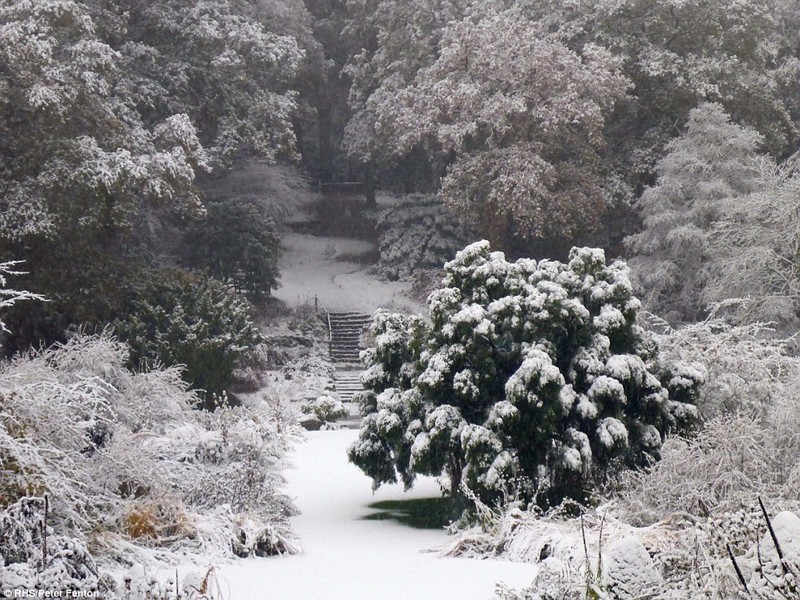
(349, 558)
(309, 268)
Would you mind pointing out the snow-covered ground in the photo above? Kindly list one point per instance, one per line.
(309, 268)
(346, 556)
(349, 558)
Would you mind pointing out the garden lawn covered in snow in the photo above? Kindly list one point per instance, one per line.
(348, 556)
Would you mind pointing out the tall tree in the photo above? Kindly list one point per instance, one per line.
(754, 250)
(507, 115)
(679, 54)
(107, 112)
(715, 162)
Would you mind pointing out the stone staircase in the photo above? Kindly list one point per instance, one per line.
(346, 331)
(347, 384)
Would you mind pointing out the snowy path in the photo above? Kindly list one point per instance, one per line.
(309, 267)
(349, 558)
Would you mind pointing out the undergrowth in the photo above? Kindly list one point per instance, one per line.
(132, 472)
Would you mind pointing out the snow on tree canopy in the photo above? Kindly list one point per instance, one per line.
(531, 377)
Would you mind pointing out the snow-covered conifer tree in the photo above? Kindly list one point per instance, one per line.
(714, 163)
(531, 378)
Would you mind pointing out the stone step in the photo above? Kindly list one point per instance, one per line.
(349, 327)
(359, 321)
(347, 337)
(348, 384)
(349, 315)
(339, 331)
(338, 349)
(347, 348)
(346, 357)
(347, 330)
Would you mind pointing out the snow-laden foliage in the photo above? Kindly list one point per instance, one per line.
(60, 84)
(237, 244)
(531, 379)
(749, 443)
(713, 163)
(181, 319)
(8, 296)
(323, 412)
(734, 459)
(109, 110)
(221, 61)
(417, 233)
(719, 224)
(131, 472)
(481, 79)
(748, 369)
(680, 54)
(701, 497)
(753, 250)
(510, 116)
(140, 583)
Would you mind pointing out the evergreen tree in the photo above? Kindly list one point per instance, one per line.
(181, 319)
(238, 244)
(713, 163)
(531, 378)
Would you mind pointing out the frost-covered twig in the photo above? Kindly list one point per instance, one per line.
(9, 297)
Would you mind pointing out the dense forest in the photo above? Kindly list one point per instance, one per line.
(634, 161)
(134, 135)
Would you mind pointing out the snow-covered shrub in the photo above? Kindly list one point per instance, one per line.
(193, 321)
(416, 233)
(237, 243)
(531, 379)
(33, 557)
(322, 412)
(733, 459)
(307, 319)
(749, 442)
(127, 463)
(747, 367)
(241, 459)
